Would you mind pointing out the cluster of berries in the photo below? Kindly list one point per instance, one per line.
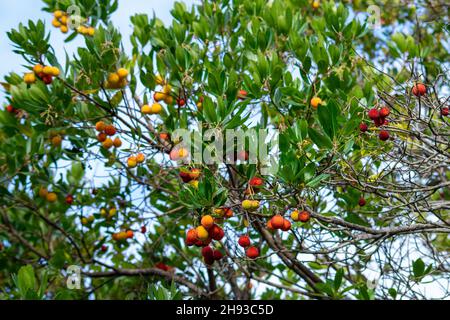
(106, 131)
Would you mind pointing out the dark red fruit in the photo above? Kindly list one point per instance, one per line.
(384, 112)
(252, 253)
(143, 229)
(207, 252)
(69, 199)
(104, 248)
(362, 202)
(419, 90)
(185, 176)
(383, 135)
(217, 233)
(445, 111)
(286, 225)
(162, 266)
(217, 255)
(181, 102)
(256, 182)
(47, 79)
(304, 216)
(10, 109)
(373, 114)
(244, 241)
(363, 127)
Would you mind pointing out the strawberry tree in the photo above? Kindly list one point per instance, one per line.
(95, 175)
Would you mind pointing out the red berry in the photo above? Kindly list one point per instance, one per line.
(445, 111)
(10, 109)
(383, 135)
(373, 114)
(286, 225)
(384, 112)
(216, 232)
(362, 202)
(69, 199)
(143, 229)
(217, 255)
(207, 252)
(363, 127)
(47, 79)
(104, 248)
(419, 90)
(252, 252)
(162, 266)
(304, 216)
(256, 182)
(185, 176)
(244, 241)
(181, 102)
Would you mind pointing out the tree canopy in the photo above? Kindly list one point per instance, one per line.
(96, 180)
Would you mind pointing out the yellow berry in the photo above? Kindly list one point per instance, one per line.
(58, 14)
(122, 73)
(146, 109)
(64, 29)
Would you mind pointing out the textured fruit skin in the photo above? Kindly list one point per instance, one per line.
(286, 225)
(373, 114)
(69, 199)
(217, 233)
(419, 90)
(244, 241)
(202, 233)
(384, 112)
(191, 237)
(217, 255)
(383, 135)
(110, 130)
(315, 102)
(207, 221)
(363, 127)
(252, 252)
(362, 202)
(185, 176)
(256, 182)
(445, 111)
(100, 126)
(108, 143)
(304, 216)
(277, 221)
(140, 158)
(294, 215)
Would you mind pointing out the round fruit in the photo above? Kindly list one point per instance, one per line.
(132, 162)
(140, 158)
(69, 199)
(181, 102)
(217, 255)
(384, 112)
(286, 225)
(130, 234)
(102, 137)
(117, 143)
(207, 221)
(29, 78)
(146, 109)
(168, 100)
(252, 253)
(445, 111)
(110, 130)
(277, 221)
(191, 237)
(113, 78)
(143, 229)
(202, 233)
(315, 102)
(373, 114)
(207, 252)
(43, 192)
(51, 197)
(419, 90)
(269, 226)
(38, 68)
(362, 202)
(256, 182)
(242, 94)
(247, 204)
(363, 127)
(56, 141)
(304, 216)
(122, 73)
(244, 241)
(195, 174)
(383, 135)
(108, 143)
(294, 215)
(159, 96)
(100, 126)
(217, 233)
(156, 108)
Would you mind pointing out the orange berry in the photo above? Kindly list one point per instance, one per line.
(110, 130)
(117, 142)
(100, 126)
(277, 221)
(140, 158)
(102, 137)
(207, 221)
(51, 197)
(108, 143)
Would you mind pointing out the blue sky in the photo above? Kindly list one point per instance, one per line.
(14, 12)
